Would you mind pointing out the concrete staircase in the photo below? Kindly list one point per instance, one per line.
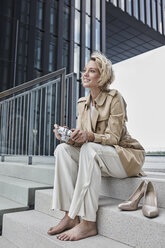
(18, 182)
(116, 228)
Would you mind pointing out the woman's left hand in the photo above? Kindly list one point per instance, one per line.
(79, 136)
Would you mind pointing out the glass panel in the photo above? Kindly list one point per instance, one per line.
(88, 31)
(52, 54)
(7, 8)
(40, 14)
(87, 55)
(98, 9)
(66, 22)
(67, 2)
(77, 60)
(77, 27)
(136, 8)
(88, 7)
(25, 6)
(65, 56)
(53, 17)
(142, 14)
(154, 21)
(77, 4)
(129, 6)
(97, 35)
(159, 17)
(38, 50)
(114, 2)
(121, 4)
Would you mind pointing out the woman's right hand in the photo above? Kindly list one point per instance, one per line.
(58, 136)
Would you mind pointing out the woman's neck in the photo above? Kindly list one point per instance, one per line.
(94, 93)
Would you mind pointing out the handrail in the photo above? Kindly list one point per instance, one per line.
(34, 82)
(27, 116)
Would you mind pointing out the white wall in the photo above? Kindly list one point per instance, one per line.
(141, 81)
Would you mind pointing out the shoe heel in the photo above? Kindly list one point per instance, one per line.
(150, 206)
(133, 201)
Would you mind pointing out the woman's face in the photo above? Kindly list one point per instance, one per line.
(91, 75)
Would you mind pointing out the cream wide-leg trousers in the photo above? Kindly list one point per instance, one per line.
(78, 172)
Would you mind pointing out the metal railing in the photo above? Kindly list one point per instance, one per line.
(29, 111)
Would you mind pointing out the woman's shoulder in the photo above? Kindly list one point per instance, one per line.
(82, 99)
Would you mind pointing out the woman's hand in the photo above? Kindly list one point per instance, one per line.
(58, 136)
(79, 136)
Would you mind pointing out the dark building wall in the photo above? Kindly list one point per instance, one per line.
(41, 36)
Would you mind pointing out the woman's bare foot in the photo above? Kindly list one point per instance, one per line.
(83, 230)
(65, 224)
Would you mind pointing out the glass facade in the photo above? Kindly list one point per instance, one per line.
(38, 37)
(150, 12)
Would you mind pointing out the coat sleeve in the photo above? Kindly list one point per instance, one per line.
(116, 122)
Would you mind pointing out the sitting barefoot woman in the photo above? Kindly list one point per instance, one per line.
(100, 146)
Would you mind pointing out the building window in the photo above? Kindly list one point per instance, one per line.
(53, 17)
(38, 50)
(97, 35)
(154, 19)
(87, 55)
(88, 7)
(40, 14)
(136, 9)
(129, 7)
(66, 22)
(77, 4)
(77, 59)
(88, 31)
(52, 54)
(98, 9)
(114, 2)
(25, 9)
(142, 11)
(77, 27)
(121, 4)
(65, 57)
(159, 17)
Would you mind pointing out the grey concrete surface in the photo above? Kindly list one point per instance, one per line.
(4, 243)
(42, 173)
(131, 227)
(8, 206)
(29, 230)
(123, 188)
(19, 190)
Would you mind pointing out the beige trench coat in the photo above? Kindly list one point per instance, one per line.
(109, 128)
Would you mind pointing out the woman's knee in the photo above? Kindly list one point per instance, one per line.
(60, 148)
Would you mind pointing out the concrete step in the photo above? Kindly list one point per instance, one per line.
(111, 187)
(130, 227)
(8, 206)
(29, 230)
(36, 160)
(43, 203)
(42, 173)
(19, 190)
(4, 243)
(123, 188)
(155, 167)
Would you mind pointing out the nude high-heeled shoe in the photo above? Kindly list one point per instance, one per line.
(134, 199)
(150, 208)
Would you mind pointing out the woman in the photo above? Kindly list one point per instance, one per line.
(100, 146)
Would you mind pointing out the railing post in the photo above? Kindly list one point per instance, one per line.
(62, 119)
(30, 146)
(2, 158)
(30, 158)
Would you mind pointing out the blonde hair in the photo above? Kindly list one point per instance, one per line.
(105, 68)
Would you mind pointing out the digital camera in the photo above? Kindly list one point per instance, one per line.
(65, 133)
